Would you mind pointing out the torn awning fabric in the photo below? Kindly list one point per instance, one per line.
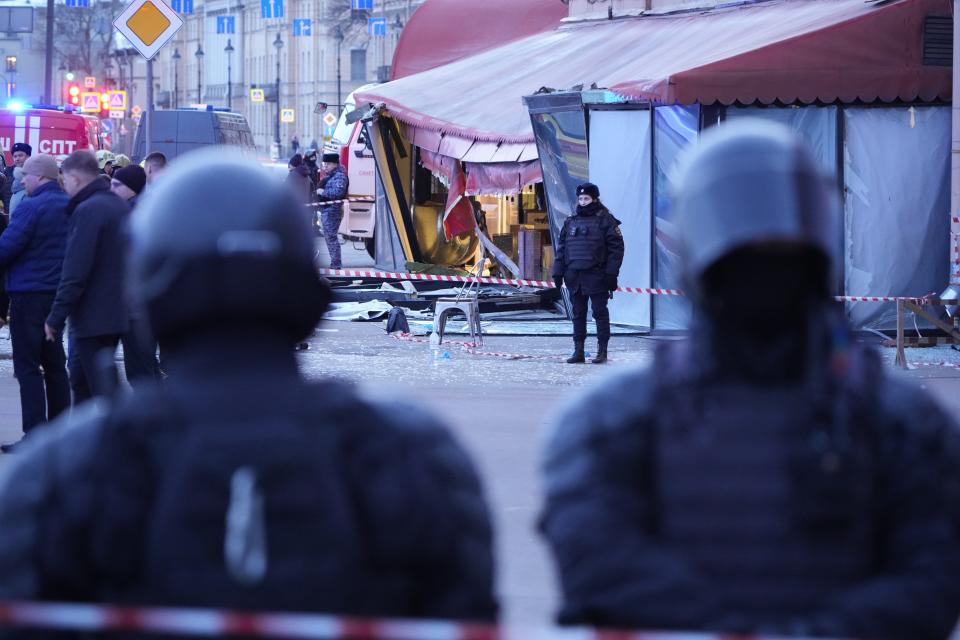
(780, 50)
(428, 41)
(492, 178)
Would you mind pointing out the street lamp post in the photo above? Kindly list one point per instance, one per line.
(123, 60)
(176, 77)
(62, 69)
(339, 37)
(278, 44)
(199, 54)
(229, 50)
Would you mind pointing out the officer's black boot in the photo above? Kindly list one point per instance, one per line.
(601, 356)
(577, 353)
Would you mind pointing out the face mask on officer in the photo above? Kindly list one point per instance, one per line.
(754, 215)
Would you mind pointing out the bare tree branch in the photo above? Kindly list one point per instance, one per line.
(83, 36)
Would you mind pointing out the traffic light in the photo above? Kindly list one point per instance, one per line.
(104, 104)
(73, 94)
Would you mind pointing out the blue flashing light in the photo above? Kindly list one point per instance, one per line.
(17, 105)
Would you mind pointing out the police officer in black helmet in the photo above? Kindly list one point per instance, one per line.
(766, 476)
(239, 484)
(588, 258)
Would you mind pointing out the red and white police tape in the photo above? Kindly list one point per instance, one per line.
(210, 623)
(325, 203)
(547, 284)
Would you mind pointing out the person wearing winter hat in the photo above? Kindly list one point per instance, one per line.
(140, 360)
(20, 152)
(588, 259)
(299, 181)
(128, 182)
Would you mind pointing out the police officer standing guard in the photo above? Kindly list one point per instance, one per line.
(239, 483)
(589, 254)
(765, 476)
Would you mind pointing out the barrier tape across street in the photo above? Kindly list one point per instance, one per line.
(209, 623)
(547, 284)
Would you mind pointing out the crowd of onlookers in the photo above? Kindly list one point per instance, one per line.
(63, 251)
(322, 187)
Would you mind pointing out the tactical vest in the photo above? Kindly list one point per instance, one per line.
(586, 244)
(190, 505)
(767, 493)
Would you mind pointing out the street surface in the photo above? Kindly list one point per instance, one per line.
(498, 408)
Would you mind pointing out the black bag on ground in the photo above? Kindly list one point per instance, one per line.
(397, 321)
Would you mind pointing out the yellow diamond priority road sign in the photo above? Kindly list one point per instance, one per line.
(148, 25)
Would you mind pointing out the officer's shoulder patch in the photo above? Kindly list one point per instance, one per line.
(617, 230)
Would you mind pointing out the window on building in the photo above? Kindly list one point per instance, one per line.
(358, 65)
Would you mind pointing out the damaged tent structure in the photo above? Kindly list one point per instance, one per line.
(420, 187)
(866, 83)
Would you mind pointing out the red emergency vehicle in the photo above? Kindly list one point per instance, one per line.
(51, 131)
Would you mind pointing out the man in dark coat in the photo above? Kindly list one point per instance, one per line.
(31, 252)
(239, 484)
(154, 165)
(588, 259)
(765, 476)
(91, 290)
(139, 348)
(310, 160)
(298, 177)
(6, 186)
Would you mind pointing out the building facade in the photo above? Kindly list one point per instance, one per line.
(22, 55)
(326, 51)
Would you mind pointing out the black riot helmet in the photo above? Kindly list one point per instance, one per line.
(218, 243)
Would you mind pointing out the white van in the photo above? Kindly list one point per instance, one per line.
(359, 218)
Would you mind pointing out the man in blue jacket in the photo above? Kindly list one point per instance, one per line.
(91, 291)
(31, 252)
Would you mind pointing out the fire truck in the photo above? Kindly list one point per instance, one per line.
(49, 130)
